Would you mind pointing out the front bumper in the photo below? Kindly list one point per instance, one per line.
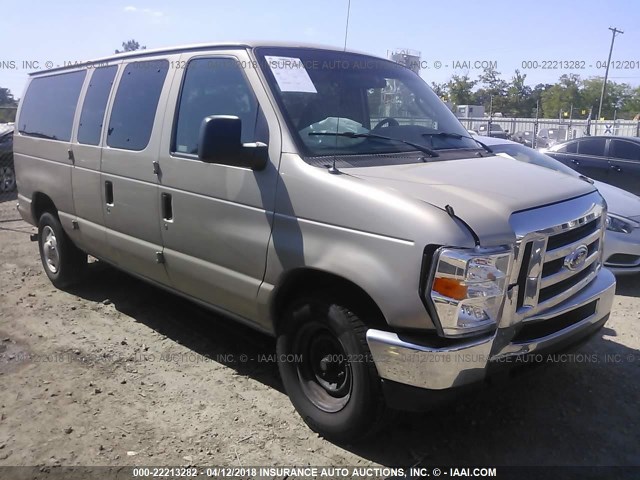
(622, 252)
(429, 365)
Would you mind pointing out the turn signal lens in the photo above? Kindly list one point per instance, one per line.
(450, 287)
(469, 287)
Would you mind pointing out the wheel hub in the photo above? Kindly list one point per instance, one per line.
(325, 373)
(7, 179)
(50, 249)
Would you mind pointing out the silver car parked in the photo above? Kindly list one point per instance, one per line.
(622, 240)
(327, 198)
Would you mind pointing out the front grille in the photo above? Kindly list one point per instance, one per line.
(556, 289)
(570, 236)
(548, 272)
(536, 330)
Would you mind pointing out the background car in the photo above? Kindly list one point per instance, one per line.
(613, 160)
(548, 137)
(524, 137)
(622, 239)
(7, 171)
(496, 131)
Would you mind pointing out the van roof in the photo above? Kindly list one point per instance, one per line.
(195, 47)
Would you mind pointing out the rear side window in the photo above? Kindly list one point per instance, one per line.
(213, 86)
(49, 106)
(135, 105)
(625, 150)
(592, 146)
(95, 104)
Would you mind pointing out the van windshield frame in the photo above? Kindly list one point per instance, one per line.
(332, 91)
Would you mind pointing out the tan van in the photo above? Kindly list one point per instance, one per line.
(328, 198)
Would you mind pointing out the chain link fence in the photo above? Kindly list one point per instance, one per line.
(567, 128)
(8, 193)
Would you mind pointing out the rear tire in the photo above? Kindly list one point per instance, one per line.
(327, 369)
(63, 262)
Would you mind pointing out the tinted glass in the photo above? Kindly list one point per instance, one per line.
(568, 148)
(625, 150)
(95, 104)
(135, 105)
(213, 87)
(529, 155)
(592, 146)
(337, 103)
(49, 106)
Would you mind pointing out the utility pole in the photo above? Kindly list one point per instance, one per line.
(569, 135)
(614, 31)
(490, 116)
(534, 142)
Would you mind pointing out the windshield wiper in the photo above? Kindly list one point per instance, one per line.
(422, 148)
(458, 136)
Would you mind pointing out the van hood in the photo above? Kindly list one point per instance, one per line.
(483, 191)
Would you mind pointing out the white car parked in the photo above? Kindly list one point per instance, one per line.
(622, 240)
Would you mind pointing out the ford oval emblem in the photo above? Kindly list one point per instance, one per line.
(576, 259)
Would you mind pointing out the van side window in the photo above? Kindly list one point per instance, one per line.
(213, 86)
(135, 105)
(49, 106)
(95, 104)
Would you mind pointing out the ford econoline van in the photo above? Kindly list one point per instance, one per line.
(325, 197)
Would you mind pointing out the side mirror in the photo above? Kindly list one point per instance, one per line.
(220, 142)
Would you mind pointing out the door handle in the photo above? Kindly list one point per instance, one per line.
(167, 207)
(108, 193)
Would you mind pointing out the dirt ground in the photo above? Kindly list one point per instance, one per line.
(116, 372)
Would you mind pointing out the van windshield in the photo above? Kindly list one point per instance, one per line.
(322, 93)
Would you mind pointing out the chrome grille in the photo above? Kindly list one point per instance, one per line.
(546, 239)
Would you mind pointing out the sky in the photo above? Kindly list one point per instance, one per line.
(447, 33)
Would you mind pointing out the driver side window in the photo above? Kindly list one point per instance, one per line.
(213, 86)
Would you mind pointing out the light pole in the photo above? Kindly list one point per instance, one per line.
(614, 31)
(534, 141)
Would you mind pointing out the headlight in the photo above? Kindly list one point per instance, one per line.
(620, 224)
(468, 289)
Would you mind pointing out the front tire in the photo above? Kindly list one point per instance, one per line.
(327, 370)
(63, 262)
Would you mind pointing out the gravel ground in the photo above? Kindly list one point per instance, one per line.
(116, 372)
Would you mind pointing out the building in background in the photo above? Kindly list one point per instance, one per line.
(469, 111)
(407, 57)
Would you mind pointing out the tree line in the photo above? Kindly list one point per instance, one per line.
(569, 96)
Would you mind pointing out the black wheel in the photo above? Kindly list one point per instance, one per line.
(7, 179)
(63, 262)
(327, 370)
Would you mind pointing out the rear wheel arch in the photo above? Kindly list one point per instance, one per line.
(41, 203)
